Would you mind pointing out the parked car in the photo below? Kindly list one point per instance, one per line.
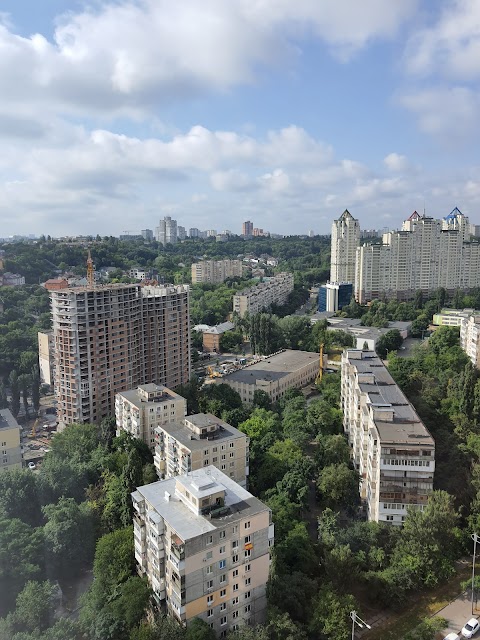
(32, 466)
(471, 627)
(452, 636)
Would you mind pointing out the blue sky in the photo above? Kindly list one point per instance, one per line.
(114, 114)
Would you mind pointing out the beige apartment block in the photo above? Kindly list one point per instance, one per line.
(204, 544)
(139, 411)
(10, 448)
(46, 357)
(274, 374)
(198, 441)
(110, 338)
(470, 338)
(391, 448)
(273, 290)
(215, 271)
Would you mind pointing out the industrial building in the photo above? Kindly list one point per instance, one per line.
(391, 448)
(274, 374)
(204, 543)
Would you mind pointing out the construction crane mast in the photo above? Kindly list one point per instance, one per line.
(90, 276)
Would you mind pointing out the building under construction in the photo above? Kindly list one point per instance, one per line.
(114, 337)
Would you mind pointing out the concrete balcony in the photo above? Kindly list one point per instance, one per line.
(158, 586)
(141, 559)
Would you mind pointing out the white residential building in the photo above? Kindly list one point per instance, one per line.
(204, 544)
(273, 290)
(140, 411)
(390, 446)
(470, 338)
(215, 271)
(166, 232)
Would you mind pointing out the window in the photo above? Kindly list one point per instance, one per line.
(222, 535)
(209, 584)
(247, 524)
(248, 567)
(223, 578)
(235, 544)
(248, 553)
(209, 555)
(235, 529)
(224, 457)
(235, 587)
(231, 445)
(235, 601)
(222, 549)
(247, 539)
(247, 608)
(215, 459)
(209, 569)
(232, 464)
(223, 621)
(224, 466)
(222, 564)
(248, 581)
(205, 453)
(234, 559)
(247, 595)
(235, 614)
(232, 454)
(223, 593)
(234, 573)
(205, 462)
(223, 606)
(209, 539)
(209, 613)
(209, 599)
(214, 449)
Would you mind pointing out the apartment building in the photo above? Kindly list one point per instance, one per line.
(272, 291)
(247, 229)
(391, 448)
(112, 338)
(425, 255)
(10, 448)
(166, 232)
(204, 544)
(470, 338)
(198, 441)
(140, 411)
(46, 357)
(345, 240)
(274, 374)
(215, 271)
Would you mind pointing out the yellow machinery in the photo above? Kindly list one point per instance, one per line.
(319, 377)
(33, 432)
(212, 373)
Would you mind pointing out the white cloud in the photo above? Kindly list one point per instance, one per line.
(396, 162)
(451, 45)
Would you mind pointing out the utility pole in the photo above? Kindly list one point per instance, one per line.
(475, 538)
(356, 620)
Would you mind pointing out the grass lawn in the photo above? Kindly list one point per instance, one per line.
(420, 608)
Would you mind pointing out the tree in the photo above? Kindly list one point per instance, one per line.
(15, 393)
(69, 534)
(427, 629)
(24, 384)
(19, 496)
(198, 629)
(337, 486)
(331, 614)
(390, 341)
(332, 449)
(3, 397)
(261, 400)
(35, 606)
(35, 388)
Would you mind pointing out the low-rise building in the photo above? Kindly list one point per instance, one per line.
(11, 279)
(470, 338)
(200, 440)
(367, 337)
(451, 317)
(10, 448)
(274, 374)
(333, 296)
(212, 335)
(391, 448)
(204, 544)
(140, 411)
(46, 357)
(55, 283)
(273, 290)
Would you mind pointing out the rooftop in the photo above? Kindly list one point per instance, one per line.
(273, 367)
(191, 440)
(384, 393)
(133, 395)
(185, 522)
(7, 421)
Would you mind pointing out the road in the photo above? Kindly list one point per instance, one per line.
(457, 613)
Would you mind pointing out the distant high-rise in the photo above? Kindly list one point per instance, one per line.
(147, 234)
(247, 229)
(181, 233)
(194, 232)
(115, 337)
(166, 232)
(345, 240)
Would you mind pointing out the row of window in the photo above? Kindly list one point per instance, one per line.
(235, 614)
(223, 594)
(408, 463)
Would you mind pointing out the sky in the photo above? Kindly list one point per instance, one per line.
(115, 114)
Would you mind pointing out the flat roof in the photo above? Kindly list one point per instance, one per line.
(189, 439)
(183, 520)
(407, 427)
(273, 367)
(7, 421)
(133, 396)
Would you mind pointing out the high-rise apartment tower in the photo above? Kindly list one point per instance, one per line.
(115, 337)
(345, 240)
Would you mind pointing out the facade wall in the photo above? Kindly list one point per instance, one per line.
(215, 271)
(10, 447)
(470, 338)
(254, 300)
(46, 357)
(345, 240)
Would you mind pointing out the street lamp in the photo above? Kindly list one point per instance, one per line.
(356, 620)
(475, 539)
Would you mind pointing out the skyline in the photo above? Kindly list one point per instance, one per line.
(284, 115)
